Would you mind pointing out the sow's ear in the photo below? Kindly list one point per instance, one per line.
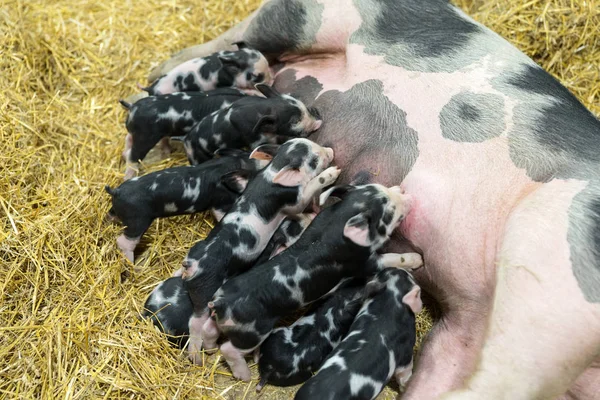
(413, 300)
(236, 181)
(357, 229)
(265, 152)
(289, 177)
(267, 90)
(336, 191)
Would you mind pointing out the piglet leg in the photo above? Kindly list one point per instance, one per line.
(403, 374)
(165, 147)
(195, 344)
(235, 360)
(210, 334)
(408, 261)
(318, 183)
(127, 245)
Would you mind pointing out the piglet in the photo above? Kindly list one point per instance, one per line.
(296, 174)
(154, 119)
(169, 307)
(250, 122)
(379, 345)
(290, 355)
(169, 304)
(180, 190)
(339, 244)
(242, 69)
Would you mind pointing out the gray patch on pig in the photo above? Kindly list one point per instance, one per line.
(421, 35)
(473, 117)
(285, 25)
(305, 89)
(554, 135)
(584, 240)
(368, 132)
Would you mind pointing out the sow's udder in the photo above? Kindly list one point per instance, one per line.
(369, 134)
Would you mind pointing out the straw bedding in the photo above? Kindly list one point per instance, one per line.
(69, 300)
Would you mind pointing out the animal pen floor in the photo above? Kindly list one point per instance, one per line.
(69, 300)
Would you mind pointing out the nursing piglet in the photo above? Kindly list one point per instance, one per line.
(250, 122)
(169, 307)
(295, 175)
(155, 118)
(290, 355)
(169, 304)
(338, 245)
(379, 345)
(242, 69)
(180, 190)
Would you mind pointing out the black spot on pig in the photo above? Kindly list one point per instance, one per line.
(284, 25)
(247, 238)
(555, 136)
(211, 65)
(584, 240)
(381, 143)
(473, 117)
(305, 89)
(413, 33)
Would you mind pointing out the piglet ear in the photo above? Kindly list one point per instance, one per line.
(357, 230)
(374, 287)
(413, 300)
(240, 45)
(266, 123)
(289, 177)
(265, 152)
(267, 90)
(335, 191)
(229, 152)
(236, 181)
(230, 63)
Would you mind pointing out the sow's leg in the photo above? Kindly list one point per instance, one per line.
(545, 322)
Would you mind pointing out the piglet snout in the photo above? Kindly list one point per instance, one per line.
(316, 124)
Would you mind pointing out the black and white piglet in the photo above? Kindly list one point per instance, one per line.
(154, 119)
(339, 244)
(169, 307)
(290, 355)
(294, 176)
(169, 304)
(286, 235)
(250, 122)
(179, 190)
(379, 345)
(242, 69)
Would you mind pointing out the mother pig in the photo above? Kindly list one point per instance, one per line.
(504, 166)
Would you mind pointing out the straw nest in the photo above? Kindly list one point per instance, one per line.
(70, 301)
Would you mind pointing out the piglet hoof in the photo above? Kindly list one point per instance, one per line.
(195, 351)
(243, 374)
(329, 176)
(130, 172)
(261, 384)
(256, 355)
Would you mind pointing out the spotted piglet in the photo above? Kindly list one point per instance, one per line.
(242, 69)
(180, 190)
(379, 345)
(339, 244)
(169, 307)
(287, 234)
(154, 119)
(295, 175)
(250, 122)
(290, 355)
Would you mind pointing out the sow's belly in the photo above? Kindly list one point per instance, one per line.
(443, 136)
